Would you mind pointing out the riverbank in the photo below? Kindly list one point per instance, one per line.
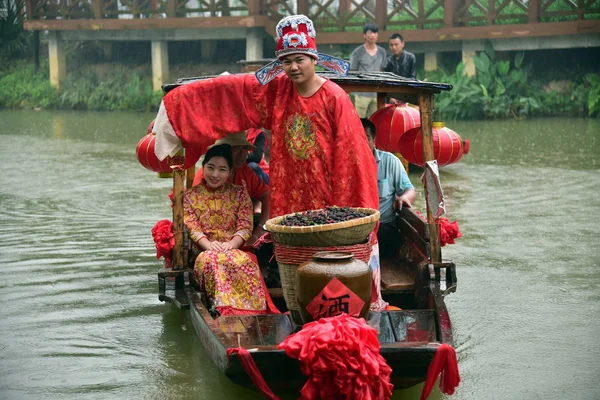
(501, 89)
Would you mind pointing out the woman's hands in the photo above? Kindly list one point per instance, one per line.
(234, 243)
(222, 246)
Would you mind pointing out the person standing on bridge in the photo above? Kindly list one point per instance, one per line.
(368, 57)
(401, 62)
(320, 156)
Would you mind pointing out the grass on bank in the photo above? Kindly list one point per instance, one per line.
(119, 89)
(500, 89)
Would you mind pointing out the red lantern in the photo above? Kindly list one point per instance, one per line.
(392, 122)
(146, 157)
(448, 147)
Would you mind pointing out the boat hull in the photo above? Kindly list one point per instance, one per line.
(409, 340)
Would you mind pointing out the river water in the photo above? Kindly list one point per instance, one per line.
(78, 291)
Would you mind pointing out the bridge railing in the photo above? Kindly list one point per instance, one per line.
(332, 15)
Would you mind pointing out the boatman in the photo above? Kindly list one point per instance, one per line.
(395, 191)
(319, 153)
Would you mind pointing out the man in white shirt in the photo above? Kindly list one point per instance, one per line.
(368, 57)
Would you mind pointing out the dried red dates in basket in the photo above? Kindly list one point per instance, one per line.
(329, 215)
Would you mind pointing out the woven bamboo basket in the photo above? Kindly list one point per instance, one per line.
(289, 259)
(337, 234)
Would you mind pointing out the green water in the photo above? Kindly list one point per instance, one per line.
(80, 315)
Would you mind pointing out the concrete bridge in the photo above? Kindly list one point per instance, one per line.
(430, 26)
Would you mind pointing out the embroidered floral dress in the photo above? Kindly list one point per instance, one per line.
(231, 279)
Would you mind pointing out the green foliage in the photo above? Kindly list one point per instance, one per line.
(593, 98)
(500, 89)
(117, 90)
(22, 87)
(463, 101)
(14, 41)
(506, 90)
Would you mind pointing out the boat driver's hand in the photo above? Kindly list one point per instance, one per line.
(400, 202)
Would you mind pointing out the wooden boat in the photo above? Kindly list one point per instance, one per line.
(416, 281)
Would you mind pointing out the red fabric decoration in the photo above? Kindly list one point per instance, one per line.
(335, 299)
(443, 363)
(253, 372)
(448, 231)
(164, 239)
(319, 153)
(172, 198)
(340, 356)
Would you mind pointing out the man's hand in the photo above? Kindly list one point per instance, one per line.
(402, 201)
(406, 199)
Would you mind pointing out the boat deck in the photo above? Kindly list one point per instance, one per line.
(404, 326)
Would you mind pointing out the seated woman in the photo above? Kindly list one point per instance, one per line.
(218, 215)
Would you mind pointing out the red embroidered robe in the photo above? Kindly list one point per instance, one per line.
(319, 151)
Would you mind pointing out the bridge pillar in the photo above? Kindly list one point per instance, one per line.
(431, 61)
(468, 57)
(107, 51)
(208, 50)
(254, 45)
(160, 63)
(56, 59)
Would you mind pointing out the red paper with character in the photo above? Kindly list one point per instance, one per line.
(335, 299)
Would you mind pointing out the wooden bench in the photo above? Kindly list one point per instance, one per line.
(400, 273)
(397, 275)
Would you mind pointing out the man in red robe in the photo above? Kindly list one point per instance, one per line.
(319, 153)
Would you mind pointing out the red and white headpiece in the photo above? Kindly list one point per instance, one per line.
(296, 34)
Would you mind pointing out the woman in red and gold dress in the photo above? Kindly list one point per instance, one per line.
(218, 216)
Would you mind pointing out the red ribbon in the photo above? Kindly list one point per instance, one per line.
(443, 363)
(252, 370)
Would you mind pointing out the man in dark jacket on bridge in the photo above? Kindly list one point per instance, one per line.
(401, 62)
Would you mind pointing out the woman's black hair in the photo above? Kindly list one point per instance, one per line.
(220, 150)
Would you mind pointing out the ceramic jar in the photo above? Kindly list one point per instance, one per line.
(314, 275)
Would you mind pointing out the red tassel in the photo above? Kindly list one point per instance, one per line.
(443, 363)
(253, 372)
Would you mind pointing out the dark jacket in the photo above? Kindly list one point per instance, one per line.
(405, 66)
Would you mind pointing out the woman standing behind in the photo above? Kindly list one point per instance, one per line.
(218, 216)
